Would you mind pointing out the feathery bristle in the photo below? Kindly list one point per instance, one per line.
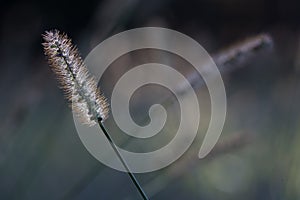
(79, 86)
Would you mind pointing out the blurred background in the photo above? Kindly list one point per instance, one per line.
(257, 156)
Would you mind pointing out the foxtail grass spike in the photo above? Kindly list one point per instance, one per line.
(243, 48)
(79, 86)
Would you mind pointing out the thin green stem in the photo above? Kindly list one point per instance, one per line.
(131, 175)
